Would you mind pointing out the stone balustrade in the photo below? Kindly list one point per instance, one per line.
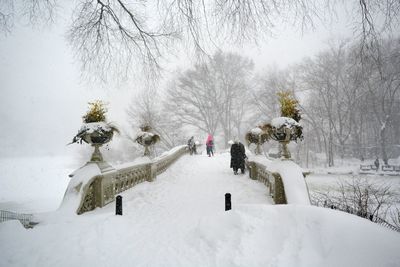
(101, 189)
(272, 180)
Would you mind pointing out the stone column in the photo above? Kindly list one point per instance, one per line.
(285, 153)
(146, 151)
(96, 156)
(252, 170)
(279, 190)
(152, 172)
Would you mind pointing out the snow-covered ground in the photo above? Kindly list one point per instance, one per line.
(329, 182)
(34, 184)
(179, 220)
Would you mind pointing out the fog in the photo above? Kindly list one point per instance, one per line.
(43, 95)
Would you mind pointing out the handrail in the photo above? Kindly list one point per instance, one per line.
(25, 219)
(101, 189)
(272, 180)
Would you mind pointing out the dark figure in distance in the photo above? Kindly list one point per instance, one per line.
(210, 145)
(376, 164)
(237, 156)
(192, 146)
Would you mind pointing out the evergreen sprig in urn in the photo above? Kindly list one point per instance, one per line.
(287, 128)
(95, 129)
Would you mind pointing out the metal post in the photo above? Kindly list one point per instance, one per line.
(118, 205)
(228, 203)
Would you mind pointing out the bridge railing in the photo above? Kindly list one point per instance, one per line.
(25, 219)
(101, 189)
(272, 180)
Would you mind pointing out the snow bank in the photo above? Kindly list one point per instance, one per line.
(292, 235)
(293, 180)
(34, 184)
(178, 220)
(248, 235)
(73, 195)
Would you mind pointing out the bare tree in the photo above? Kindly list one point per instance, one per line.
(358, 196)
(129, 36)
(382, 81)
(193, 97)
(147, 109)
(35, 12)
(213, 94)
(352, 106)
(231, 75)
(6, 15)
(395, 217)
(264, 98)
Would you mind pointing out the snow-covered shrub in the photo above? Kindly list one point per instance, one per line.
(289, 105)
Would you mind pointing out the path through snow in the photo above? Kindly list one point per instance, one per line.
(179, 220)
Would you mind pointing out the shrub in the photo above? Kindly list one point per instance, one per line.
(96, 113)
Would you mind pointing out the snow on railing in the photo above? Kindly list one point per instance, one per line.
(25, 219)
(273, 180)
(100, 189)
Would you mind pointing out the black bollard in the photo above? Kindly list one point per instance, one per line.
(118, 206)
(228, 203)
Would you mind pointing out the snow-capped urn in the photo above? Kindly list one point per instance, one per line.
(95, 133)
(146, 138)
(95, 130)
(282, 129)
(258, 136)
(286, 128)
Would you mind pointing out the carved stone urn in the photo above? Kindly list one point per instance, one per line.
(96, 134)
(284, 130)
(146, 138)
(258, 136)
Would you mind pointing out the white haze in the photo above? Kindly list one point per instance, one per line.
(43, 96)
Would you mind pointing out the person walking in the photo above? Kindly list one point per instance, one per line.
(238, 155)
(210, 145)
(192, 146)
(377, 164)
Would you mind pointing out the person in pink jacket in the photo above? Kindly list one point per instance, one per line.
(210, 145)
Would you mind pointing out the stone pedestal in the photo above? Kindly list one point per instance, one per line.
(97, 158)
(284, 150)
(146, 151)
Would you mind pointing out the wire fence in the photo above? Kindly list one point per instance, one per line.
(25, 219)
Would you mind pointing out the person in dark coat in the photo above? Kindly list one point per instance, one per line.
(376, 164)
(192, 146)
(237, 156)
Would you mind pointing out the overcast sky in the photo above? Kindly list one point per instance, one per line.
(43, 98)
